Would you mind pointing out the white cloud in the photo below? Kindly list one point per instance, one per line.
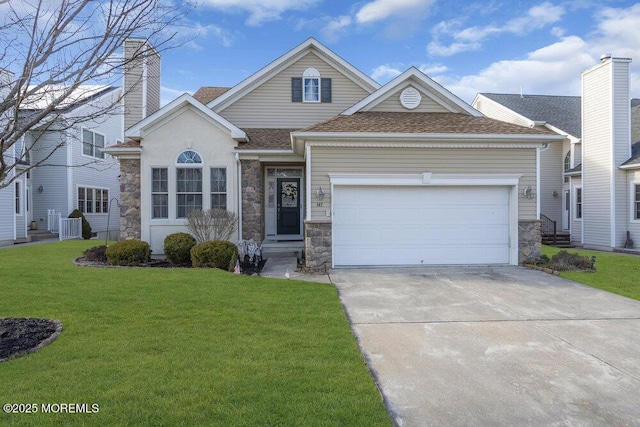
(260, 11)
(379, 10)
(384, 73)
(471, 38)
(336, 28)
(433, 69)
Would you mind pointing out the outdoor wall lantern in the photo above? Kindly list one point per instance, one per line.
(40, 189)
(320, 194)
(555, 194)
(528, 192)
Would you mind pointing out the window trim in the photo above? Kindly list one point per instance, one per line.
(226, 187)
(19, 210)
(635, 202)
(311, 74)
(93, 143)
(577, 203)
(167, 193)
(194, 165)
(94, 200)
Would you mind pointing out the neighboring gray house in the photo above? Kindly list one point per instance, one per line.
(590, 182)
(310, 150)
(74, 172)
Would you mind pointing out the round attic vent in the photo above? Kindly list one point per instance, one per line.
(410, 98)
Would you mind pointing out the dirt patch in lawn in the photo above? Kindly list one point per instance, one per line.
(20, 335)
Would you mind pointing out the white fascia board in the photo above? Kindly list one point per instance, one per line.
(310, 42)
(124, 152)
(137, 130)
(343, 136)
(424, 179)
(630, 167)
(562, 133)
(394, 84)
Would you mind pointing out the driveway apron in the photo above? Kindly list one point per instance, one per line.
(495, 346)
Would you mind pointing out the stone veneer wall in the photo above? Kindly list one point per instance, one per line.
(529, 240)
(130, 226)
(252, 200)
(317, 244)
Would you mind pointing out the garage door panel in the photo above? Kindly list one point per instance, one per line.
(420, 225)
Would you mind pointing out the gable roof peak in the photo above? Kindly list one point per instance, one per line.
(414, 75)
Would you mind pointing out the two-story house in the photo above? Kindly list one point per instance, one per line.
(310, 149)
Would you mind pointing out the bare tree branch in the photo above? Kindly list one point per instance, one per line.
(54, 49)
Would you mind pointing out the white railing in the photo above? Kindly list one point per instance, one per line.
(70, 228)
(53, 220)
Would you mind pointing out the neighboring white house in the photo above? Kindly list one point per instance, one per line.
(310, 149)
(73, 171)
(589, 183)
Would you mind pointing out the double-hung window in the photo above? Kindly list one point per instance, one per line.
(92, 144)
(188, 183)
(93, 200)
(159, 193)
(636, 202)
(219, 188)
(18, 199)
(578, 203)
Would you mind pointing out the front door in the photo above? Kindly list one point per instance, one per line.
(288, 213)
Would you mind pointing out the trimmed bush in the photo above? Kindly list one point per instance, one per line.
(128, 252)
(215, 254)
(86, 227)
(177, 248)
(96, 254)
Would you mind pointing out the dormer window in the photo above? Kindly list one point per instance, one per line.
(311, 87)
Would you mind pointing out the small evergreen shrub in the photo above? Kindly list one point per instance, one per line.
(215, 254)
(86, 227)
(128, 252)
(96, 254)
(177, 248)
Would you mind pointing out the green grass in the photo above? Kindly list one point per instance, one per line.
(617, 273)
(181, 346)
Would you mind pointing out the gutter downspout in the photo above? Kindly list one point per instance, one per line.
(239, 193)
(538, 153)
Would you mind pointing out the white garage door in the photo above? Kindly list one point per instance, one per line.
(420, 225)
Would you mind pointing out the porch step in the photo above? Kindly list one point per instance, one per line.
(39, 235)
(562, 240)
(282, 249)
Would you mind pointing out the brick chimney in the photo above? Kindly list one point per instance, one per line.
(606, 144)
(141, 81)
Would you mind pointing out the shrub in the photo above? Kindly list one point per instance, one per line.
(564, 261)
(128, 252)
(86, 227)
(212, 224)
(96, 254)
(177, 248)
(215, 254)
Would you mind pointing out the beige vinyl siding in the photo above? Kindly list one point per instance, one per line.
(492, 109)
(327, 160)
(153, 84)
(577, 154)
(551, 180)
(269, 105)
(597, 161)
(427, 104)
(621, 148)
(132, 86)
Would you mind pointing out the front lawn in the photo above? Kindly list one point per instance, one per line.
(617, 273)
(180, 346)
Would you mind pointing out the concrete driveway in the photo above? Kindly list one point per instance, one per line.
(495, 346)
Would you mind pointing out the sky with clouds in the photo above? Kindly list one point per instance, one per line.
(537, 47)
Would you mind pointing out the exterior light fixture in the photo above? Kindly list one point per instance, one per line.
(528, 192)
(320, 194)
(40, 189)
(555, 194)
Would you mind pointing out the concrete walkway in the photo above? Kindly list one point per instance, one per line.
(495, 346)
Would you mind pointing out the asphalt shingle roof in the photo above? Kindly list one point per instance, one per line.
(413, 122)
(266, 138)
(206, 94)
(562, 112)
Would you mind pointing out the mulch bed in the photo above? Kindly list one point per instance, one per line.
(20, 335)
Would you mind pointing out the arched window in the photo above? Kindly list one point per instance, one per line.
(311, 85)
(567, 161)
(188, 183)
